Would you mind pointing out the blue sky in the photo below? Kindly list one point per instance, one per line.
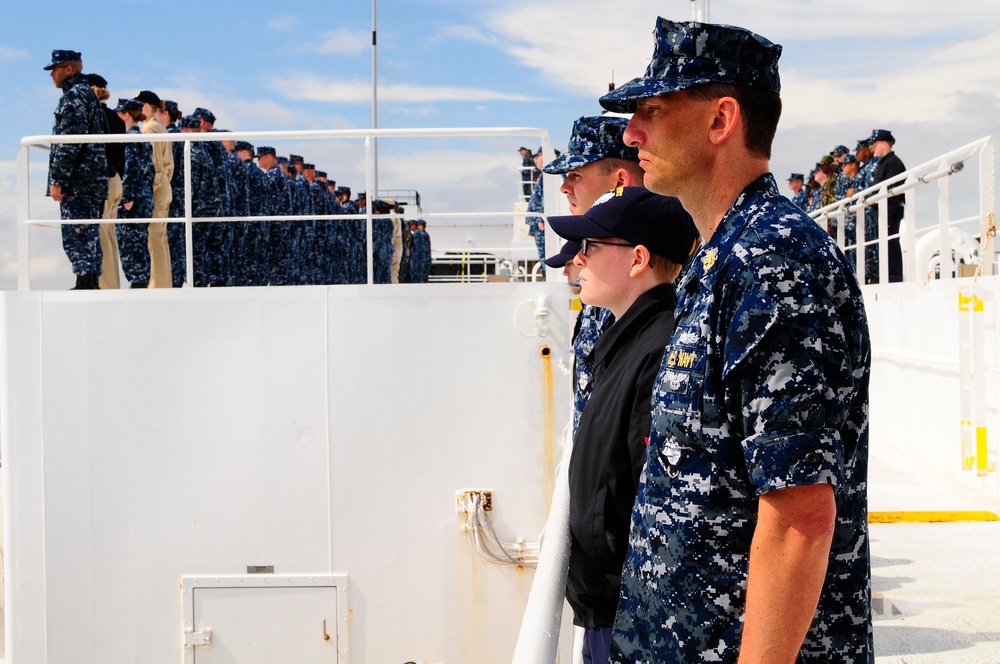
(930, 74)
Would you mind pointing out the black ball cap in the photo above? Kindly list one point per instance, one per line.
(635, 215)
(148, 97)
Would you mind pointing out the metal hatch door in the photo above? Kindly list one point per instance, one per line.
(261, 619)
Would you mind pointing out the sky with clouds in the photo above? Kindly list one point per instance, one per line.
(929, 71)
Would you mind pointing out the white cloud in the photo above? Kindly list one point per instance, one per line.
(469, 33)
(925, 92)
(949, 49)
(343, 42)
(310, 87)
(282, 24)
(8, 53)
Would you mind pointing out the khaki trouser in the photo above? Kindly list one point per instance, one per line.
(397, 249)
(159, 250)
(109, 241)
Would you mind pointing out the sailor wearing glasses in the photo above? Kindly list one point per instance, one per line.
(633, 245)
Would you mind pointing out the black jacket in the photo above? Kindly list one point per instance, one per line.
(890, 166)
(115, 151)
(609, 451)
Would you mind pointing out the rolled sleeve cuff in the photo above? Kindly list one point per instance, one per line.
(785, 459)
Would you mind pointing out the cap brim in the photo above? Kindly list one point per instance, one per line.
(623, 98)
(577, 227)
(566, 162)
(566, 253)
(50, 67)
(559, 260)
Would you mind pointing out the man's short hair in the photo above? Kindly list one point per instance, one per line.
(609, 165)
(761, 111)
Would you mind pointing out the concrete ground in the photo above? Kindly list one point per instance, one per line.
(935, 586)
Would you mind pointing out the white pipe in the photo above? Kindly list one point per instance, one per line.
(423, 132)
(538, 640)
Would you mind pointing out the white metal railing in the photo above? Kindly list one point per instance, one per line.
(25, 218)
(478, 264)
(949, 233)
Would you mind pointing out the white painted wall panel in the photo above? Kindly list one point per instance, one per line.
(320, 430)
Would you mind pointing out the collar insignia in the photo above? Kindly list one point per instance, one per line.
(708, 260)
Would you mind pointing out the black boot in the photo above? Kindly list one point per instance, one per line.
(139, 284)
(86, 282)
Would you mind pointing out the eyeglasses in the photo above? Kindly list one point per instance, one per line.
(586, 244)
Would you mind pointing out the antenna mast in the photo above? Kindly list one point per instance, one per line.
(699, 11)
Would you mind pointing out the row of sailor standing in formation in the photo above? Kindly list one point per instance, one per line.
(146, 180)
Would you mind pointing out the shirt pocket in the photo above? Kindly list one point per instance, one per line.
(677, 457)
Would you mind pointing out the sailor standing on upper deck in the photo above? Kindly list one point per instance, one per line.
(749, 537)
(78, 172)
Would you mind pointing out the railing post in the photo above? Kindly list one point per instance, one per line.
(862, 240)
(841, 218)
(23, 214)
(859, 249)
(883, 239)
(370, 204)
(188, 225)
(987, 205)
(946, 262)
(908, 233)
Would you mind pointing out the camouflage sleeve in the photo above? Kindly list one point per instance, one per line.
(71, 118)
(787, 375)
(131, 186)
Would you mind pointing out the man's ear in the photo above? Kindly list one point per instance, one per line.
(727, 116)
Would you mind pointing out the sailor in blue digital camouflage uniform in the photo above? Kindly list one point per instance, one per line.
(749, 537)
(795, 183)
(239, 266)
(595, 162)
(536, 203)
(219, 237)
(359, 264)
(137, 198)
(869, 162)
(349, 240)
(336, 237)
(175, 230)
(849, 183)
(205, 200)
(78, 173)
(319, 247)
(304, 230)
(257, 240)
(381, 243)
(279, 204)
(420, 254)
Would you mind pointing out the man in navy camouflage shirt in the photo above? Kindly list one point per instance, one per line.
(849, 183)
(749, 537)
(78, 172)
(869, 162)
(795, 183)
(595, 162)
